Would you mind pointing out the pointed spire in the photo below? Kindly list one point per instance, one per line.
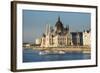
(58, 18)
(47, 29)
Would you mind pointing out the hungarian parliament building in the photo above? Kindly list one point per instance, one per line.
(60, 36)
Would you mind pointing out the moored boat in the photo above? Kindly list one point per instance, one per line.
(51, 52)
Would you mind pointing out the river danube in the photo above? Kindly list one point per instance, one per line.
(30, 55)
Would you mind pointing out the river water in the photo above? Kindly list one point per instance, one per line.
(30, 55)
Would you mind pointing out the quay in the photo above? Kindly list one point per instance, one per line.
(83, 49)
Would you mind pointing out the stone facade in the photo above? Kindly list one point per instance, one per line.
(86, 38)
(57, 37)
(60, 36)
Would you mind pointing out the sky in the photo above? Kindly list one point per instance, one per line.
(34, 22)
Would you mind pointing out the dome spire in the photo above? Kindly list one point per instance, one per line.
(59, 25)
(58, 18)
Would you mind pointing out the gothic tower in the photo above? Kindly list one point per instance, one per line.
(59, 26)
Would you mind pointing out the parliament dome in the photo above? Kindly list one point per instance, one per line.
(59, 25)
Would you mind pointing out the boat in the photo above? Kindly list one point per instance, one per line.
(51, 52)
(62, 52)
(43, 52)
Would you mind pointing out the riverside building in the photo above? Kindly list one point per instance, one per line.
(60, 36)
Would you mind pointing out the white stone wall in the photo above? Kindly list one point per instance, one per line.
(43, 42)
(49, 41)
(86, 39)
(56, 41)
(38, 41)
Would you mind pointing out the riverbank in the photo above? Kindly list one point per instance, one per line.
(83, 49)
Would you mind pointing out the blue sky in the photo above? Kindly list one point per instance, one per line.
(34, 22)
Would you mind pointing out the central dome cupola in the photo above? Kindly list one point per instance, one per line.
(59, 25)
